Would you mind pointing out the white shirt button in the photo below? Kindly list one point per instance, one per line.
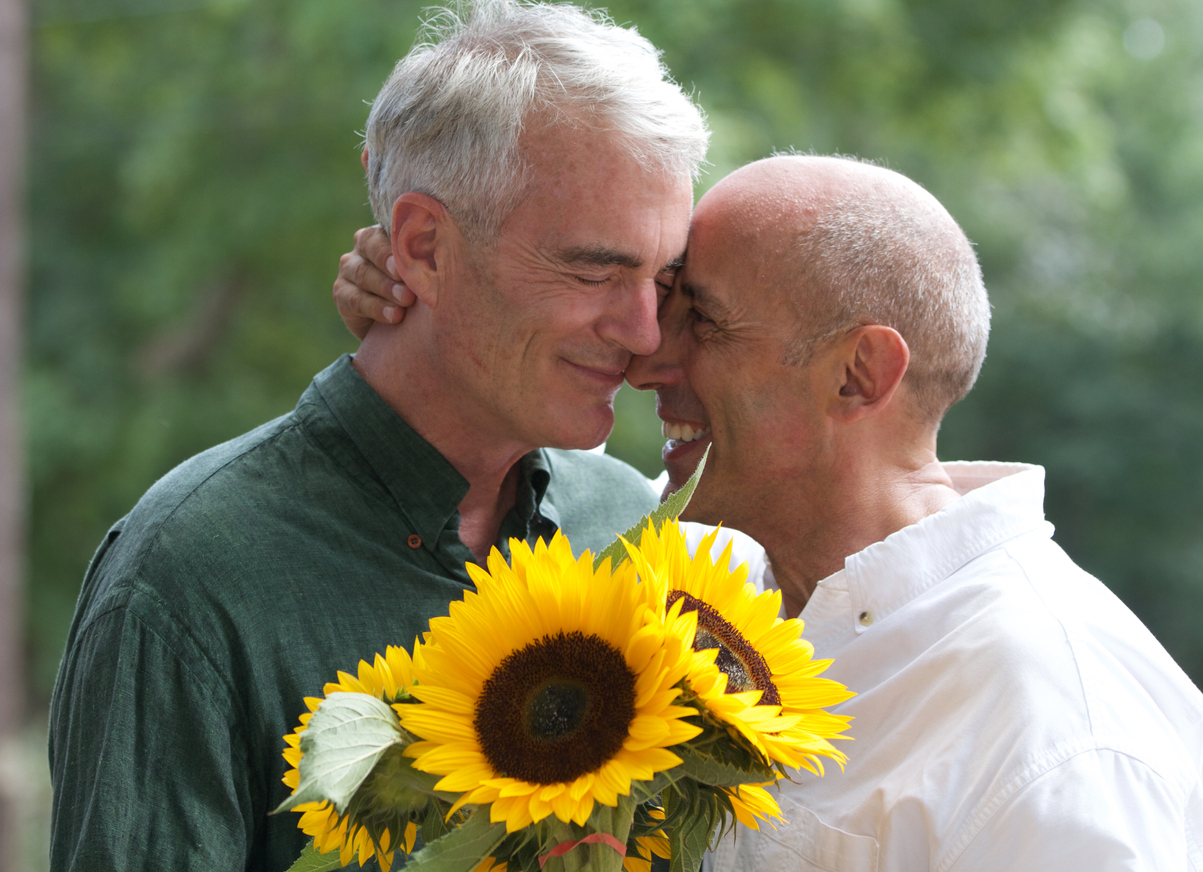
(865, 619)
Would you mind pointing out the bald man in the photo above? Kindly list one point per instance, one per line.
(1011, 713)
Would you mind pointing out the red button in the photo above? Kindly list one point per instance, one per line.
(415, 541)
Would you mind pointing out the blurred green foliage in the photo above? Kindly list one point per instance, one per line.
(194, 177)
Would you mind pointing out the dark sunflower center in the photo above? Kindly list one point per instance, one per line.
(739, 661)
(556, 709)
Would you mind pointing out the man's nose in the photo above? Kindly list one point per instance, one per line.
(662, 368)
(633, 323)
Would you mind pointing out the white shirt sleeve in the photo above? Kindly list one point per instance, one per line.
(1098, 811)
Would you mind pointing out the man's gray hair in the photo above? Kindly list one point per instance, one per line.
(890, 254)
(448, 120)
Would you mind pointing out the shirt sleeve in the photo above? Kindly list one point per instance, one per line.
(146, 771)
(1099, 811)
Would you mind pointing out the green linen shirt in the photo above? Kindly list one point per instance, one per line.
(238, 585)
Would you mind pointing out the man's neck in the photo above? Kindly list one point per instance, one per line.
(810, 539)
(482, 511)
(489, 465)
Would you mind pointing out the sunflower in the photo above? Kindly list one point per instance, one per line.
(389, 678)
(549, 689)
(752, 804)
(753, 672)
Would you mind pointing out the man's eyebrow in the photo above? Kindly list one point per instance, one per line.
(715, 308)
(596, 255)
(673, 265)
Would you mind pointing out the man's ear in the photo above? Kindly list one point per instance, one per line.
(872, 360)
(421, 234)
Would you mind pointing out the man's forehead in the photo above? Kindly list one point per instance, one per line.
(732, 282)
(714, 259)
(595, 206)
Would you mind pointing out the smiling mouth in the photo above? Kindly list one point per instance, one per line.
(607, 375)
(682, 432)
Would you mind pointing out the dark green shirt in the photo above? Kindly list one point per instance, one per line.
(239, 584)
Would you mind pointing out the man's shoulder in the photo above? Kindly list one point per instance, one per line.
(1003, 674)
(207, 479)
(1063, 664)
(1124, 671)
(577, 469)
(1037, 603)
(596, 496)
(199, 517)
(151, 567)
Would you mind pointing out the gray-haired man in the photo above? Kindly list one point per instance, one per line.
(533, 167)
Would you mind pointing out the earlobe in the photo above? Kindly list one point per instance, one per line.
(873, 359)
(419, 234)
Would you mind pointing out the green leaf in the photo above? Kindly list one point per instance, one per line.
(345, 739)
(644, 791)
(311, 861)
(689, 846)
(690, 820)
(669, 509)
(707, 770)
(462, 849)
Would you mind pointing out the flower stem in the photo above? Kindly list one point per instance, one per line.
(593, 856)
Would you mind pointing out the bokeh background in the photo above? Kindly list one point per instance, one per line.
(193, 176)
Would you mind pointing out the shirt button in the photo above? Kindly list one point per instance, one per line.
(865, 619)
(415, 541)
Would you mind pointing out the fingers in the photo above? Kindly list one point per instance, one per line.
(364, 292)
(366, 276)
(370, 266)
(365, 295)
(405, 297)
(373, 244)
(359, 310)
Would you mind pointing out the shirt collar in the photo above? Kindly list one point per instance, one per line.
(999, 501)
(534, 475)
(425, 486)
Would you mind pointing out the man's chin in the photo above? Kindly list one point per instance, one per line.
(702, 509)
(706, 506)
(681, 459)
(582, 429)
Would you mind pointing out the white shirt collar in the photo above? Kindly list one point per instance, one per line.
(999, 502)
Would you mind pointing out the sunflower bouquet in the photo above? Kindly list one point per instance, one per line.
(571, 713)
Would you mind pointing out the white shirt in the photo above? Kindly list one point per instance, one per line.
(1011, 713)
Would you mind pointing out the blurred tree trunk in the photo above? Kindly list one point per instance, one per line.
(13, 55)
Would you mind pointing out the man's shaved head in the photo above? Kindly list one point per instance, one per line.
(854, 244)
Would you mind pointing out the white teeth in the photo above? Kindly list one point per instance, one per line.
(682, 432)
